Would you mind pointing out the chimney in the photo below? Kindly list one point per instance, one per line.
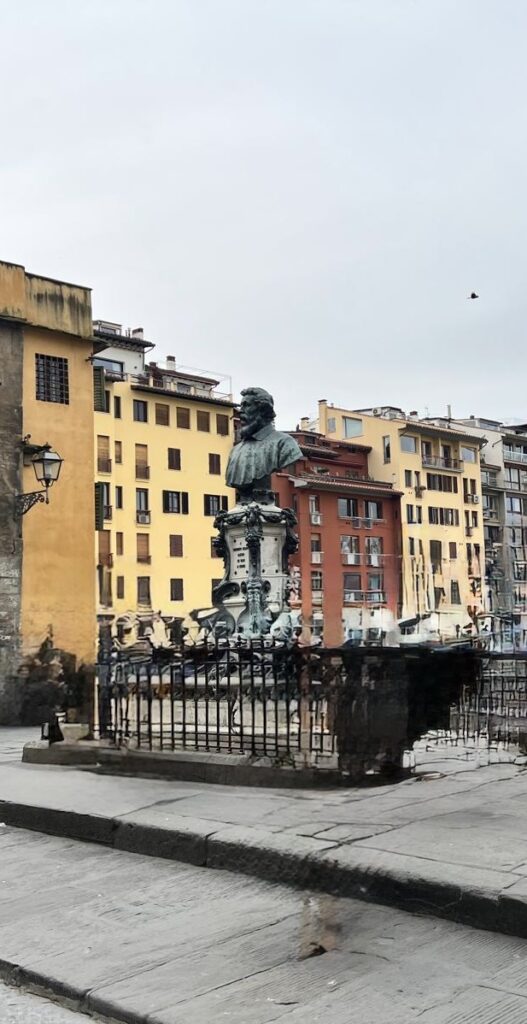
(138, 333)
(171, 362)
(304, 423)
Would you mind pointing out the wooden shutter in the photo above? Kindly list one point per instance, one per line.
(176, 545)
(99, 506)
(99, 398)
(162, 414)
(141, 455)
(203, 420)
(143, 547)
(119, 451)
(224, 504)
(184, 503)
(183, 418)
(120, 587)
(174, 458)
(119, 543)
(104, 547)
(222, 424)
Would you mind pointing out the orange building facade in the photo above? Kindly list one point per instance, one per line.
(347, 568)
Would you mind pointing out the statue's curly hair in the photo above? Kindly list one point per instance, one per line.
(265, 401)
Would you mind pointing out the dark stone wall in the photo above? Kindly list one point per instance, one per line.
(11, 355)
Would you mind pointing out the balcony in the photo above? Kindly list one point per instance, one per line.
(362, 522)
(438, 462)
(316, 597)
(106, 560)
(143, 518)
(104, 465)
(513, 455)
(364, 597)
(351, 557)
(142, 472)
(469, 530)
(317, 557)
(107, 511)
(472, 499)
(490, 513)
(315, 518)
(146, 559)
(374, 559)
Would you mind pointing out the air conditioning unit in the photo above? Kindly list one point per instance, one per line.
(143, 517)
(475, 499)
(316, 518)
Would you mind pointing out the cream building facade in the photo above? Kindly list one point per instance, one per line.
(162, 439)
(438, 471)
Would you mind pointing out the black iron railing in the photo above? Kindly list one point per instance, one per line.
(356, 710)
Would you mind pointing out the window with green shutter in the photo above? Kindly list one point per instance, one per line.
(99, 506)
(99, 398)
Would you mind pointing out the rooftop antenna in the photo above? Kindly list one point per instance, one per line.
(449, 412)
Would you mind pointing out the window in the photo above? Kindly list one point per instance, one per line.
(513, 504)
(176, 590)
(104, 463)
(408, 443)
(117, 407)
(411, 545)
(316, 581)
(222, 424)
(120, 588)
(143, 547)
(174, 458)
(142, 469)
(352, 586)
(426, 450)
(215, 464)
(408, 478)
(455, 597)
(348, 508)
(106, 401)
(387, 449)
(203, 421)
(118, 452)
(438, 482)
(349, 545)
(468, 454)
(175, 545)
(214, 503)
(436, 555)
(374, 509)
(375, 581)
(452, 550)
(439, 594)
(99, 506)
(52, 379)
(175, 501)
(110, 365)
(118, 496)
(410, 514)
(141, 499)
(143, 590)
(443, 516)
(351, 427)
(119, 543)
(332, 425)
(419, 513)
(182, 418)
(140, 411)
(214, 553)
(475, 520)
(162, 414)
(374, 550)
(99, 401)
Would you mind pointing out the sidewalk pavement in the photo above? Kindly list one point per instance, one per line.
(454, 846)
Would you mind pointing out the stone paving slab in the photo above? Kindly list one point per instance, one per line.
(147, 941)
(455, 846)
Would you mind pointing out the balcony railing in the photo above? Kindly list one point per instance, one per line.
(364, 597)
(316, 597)
(374, 559)
(107, 511)
(106, 560)
(511, 455)
(351, 557)
(317, 557)
(147, 559)
(142, 472)
(469, 530)
(490, 513)
(142, 517)
(363, 522)
(439, 462)
(104, 465)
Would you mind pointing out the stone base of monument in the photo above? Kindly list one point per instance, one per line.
(252, 599)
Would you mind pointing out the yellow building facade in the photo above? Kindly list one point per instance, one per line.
(437, 469)
(46, 397)
(161, 449)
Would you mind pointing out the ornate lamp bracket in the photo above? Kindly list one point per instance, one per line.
(23, 502)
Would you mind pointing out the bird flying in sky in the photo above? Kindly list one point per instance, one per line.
(472, 296)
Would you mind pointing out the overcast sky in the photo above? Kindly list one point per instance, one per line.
(299, 193)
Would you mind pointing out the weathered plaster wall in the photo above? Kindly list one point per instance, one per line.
(11, 354)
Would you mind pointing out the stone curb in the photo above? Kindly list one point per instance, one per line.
(70, 996)
(476, 897)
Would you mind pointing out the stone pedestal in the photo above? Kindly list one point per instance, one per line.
(255, 541)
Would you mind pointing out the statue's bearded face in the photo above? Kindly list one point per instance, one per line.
(254, 414)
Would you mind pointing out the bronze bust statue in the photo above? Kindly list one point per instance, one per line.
(260, 451)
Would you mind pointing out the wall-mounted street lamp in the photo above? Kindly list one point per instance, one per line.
(47, 465)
